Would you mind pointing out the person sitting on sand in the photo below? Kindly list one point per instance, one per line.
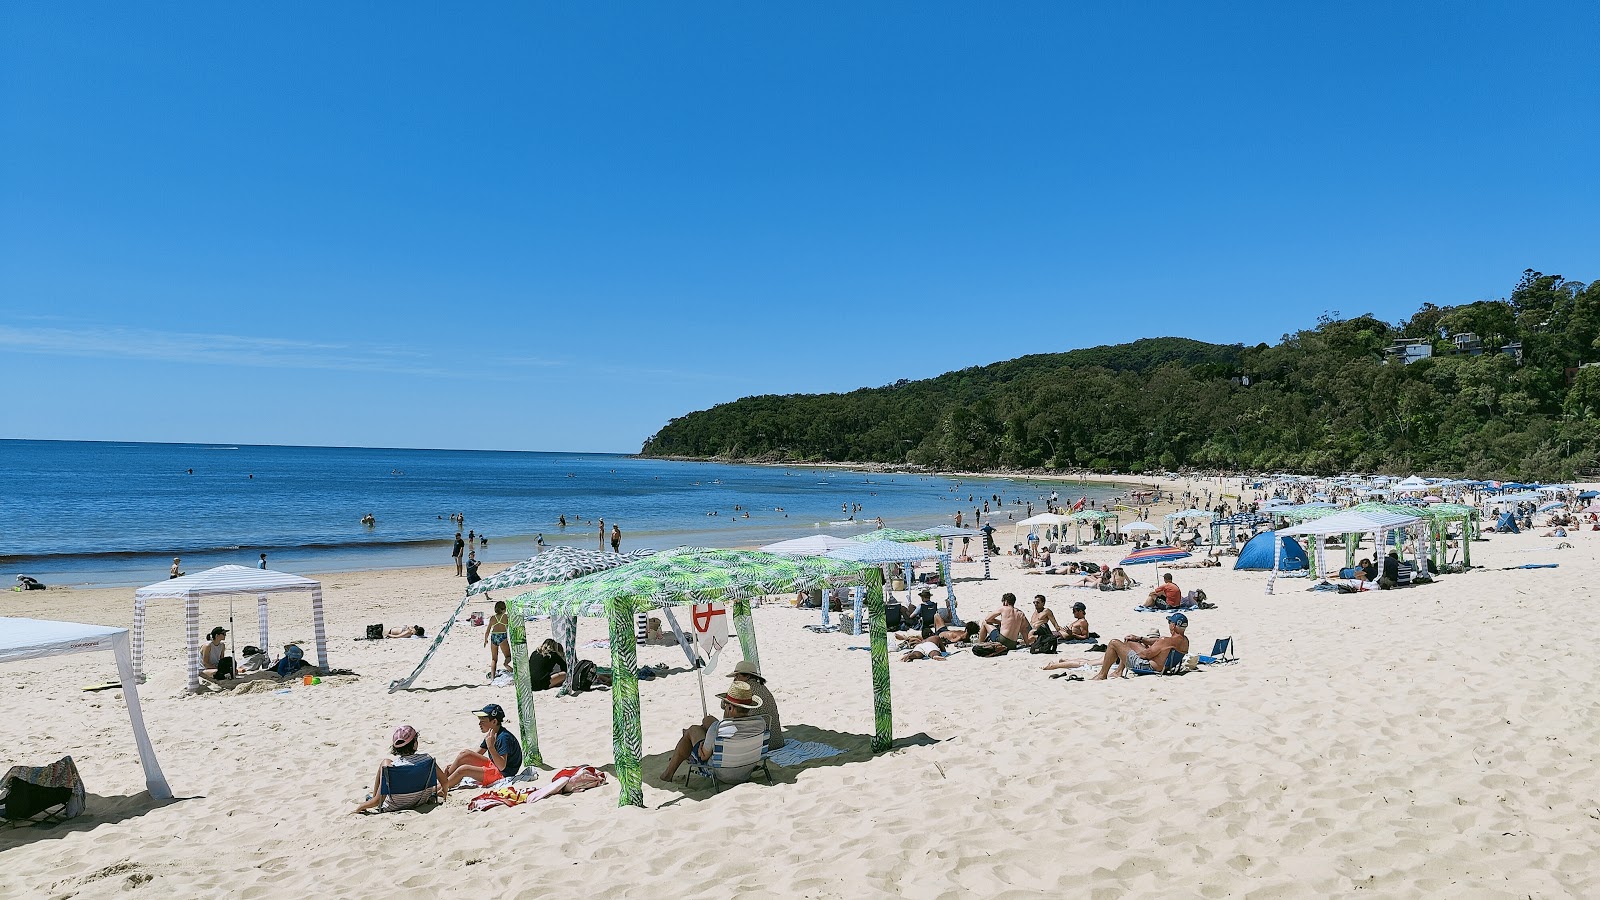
(747, 674)
(499, 754)
(547, 666)
(1367, 570)
(1165, 595)
(403, 744)
(1010, 627)
(1136, 653)
(1120, 580)
(1042, 615)
(213, 650)
(737, 703)
(1078, 628)
(404, 631)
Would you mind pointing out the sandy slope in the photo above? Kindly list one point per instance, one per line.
(1430, 742)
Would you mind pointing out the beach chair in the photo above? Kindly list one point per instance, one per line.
(734, 757)
(410, 784)
(1221, 652)
(41, 795)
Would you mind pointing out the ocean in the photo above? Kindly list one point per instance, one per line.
(114, 514)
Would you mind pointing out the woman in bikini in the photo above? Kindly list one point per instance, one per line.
(497, 638)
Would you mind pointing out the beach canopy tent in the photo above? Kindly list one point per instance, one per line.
(1507, 523)
(38, 638)
(1256, 555)
(812, 545)
(1135, 527)
(218, 582)
(557, 563)
(678, 577)
(1380, 522)
(1173, 518)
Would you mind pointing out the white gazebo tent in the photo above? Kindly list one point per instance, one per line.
(36, 638)
(1354, 521)
(221, 581)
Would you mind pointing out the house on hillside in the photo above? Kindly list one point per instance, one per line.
(1409, 350)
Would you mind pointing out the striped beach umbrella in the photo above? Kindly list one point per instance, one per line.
(1154, 555)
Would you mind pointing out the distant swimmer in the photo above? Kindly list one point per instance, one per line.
(368, 520)
(176, 571)
(561, 520)
(252, 476)
(191, 471)
(538, 541)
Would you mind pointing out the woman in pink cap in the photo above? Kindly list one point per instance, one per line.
(407, 780)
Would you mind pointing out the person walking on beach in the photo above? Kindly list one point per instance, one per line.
(176, 571)
(456, 551)
(616, 538)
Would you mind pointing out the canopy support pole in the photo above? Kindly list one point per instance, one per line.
(566, 629)
(882, 710)
(949, 587)
(438, 638)
(154, 781)
(138, 637)
(261, 623)
(191, 633)
(747, 632)
(527, 724)
(625, 725)
(858, 596)
(1277, 554)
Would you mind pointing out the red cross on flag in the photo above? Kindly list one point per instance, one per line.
(710, 624)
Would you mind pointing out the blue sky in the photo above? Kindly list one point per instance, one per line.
(554, 227)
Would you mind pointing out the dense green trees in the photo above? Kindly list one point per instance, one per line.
(1321, 400)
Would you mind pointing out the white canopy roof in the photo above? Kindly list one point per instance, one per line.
(1412, 484)
(1044, 519)
(1353, 522)
(1191, 514)
(1131, 527)
(228, 580)
(36, 638)
(815, 545)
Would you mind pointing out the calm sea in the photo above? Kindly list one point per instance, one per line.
(91, 513)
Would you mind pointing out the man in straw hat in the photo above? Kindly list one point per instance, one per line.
(738, 702)
(745, 672)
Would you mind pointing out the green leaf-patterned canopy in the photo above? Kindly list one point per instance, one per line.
(683, 576)
(895, 534)
(556, 564)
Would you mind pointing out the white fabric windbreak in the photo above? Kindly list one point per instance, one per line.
(220, 581)
(36, 638)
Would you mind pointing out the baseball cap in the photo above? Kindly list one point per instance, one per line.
(492, 711)
(1079, 605)
(1179, 619)
(403, 735)
(217, 630)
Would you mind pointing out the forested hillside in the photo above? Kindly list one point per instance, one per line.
(1326, 399)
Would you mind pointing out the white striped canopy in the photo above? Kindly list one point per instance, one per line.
(221, 581)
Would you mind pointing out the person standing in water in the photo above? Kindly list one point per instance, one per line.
(456, 552)
(602, 534)
(616, 538)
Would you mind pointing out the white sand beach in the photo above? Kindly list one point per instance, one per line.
(1433, 741)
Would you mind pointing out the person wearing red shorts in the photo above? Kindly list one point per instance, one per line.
(498, 755)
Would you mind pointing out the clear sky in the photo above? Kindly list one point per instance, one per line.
(554, 227)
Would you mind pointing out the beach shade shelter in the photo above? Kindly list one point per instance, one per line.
(1173, 518)
(219, 582)
(551, 564)
(38, 638)
(1140, 527)
(1157, 554)
(1379, 522)
(1257, 554)
(678, 577)
(898, 536)
(1248, 520)
(941, 535)
(1049, 520)
(1092, 515)
(813, 545)
(1412, 484)
(1546, 507)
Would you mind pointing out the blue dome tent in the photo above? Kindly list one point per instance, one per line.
(1256, 556)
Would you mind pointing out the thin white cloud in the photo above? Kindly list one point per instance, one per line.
(117, 342)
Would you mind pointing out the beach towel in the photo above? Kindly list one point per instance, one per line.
(821, 629)
(507, 796)
(793, 753)
(570, 781)
(1534, 566)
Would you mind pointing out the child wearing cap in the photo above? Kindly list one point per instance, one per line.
(499, 754)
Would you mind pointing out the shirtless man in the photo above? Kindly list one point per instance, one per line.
(1078, 628)
(1010, 626)
(1043, 616)
(1137, 653)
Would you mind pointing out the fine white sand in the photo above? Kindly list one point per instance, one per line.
(1436, 741)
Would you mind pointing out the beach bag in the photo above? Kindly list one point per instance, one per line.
(584, 675)
(989, 649)
(1044, 640)
(375, 632)
(893, 613)
(225, 668)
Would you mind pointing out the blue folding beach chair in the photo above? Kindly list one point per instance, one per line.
(1173, 666)
(1221, 652)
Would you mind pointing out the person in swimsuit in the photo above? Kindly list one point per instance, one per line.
(497, 638)
(1010, 626)
(931, 648)
(616, 536)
